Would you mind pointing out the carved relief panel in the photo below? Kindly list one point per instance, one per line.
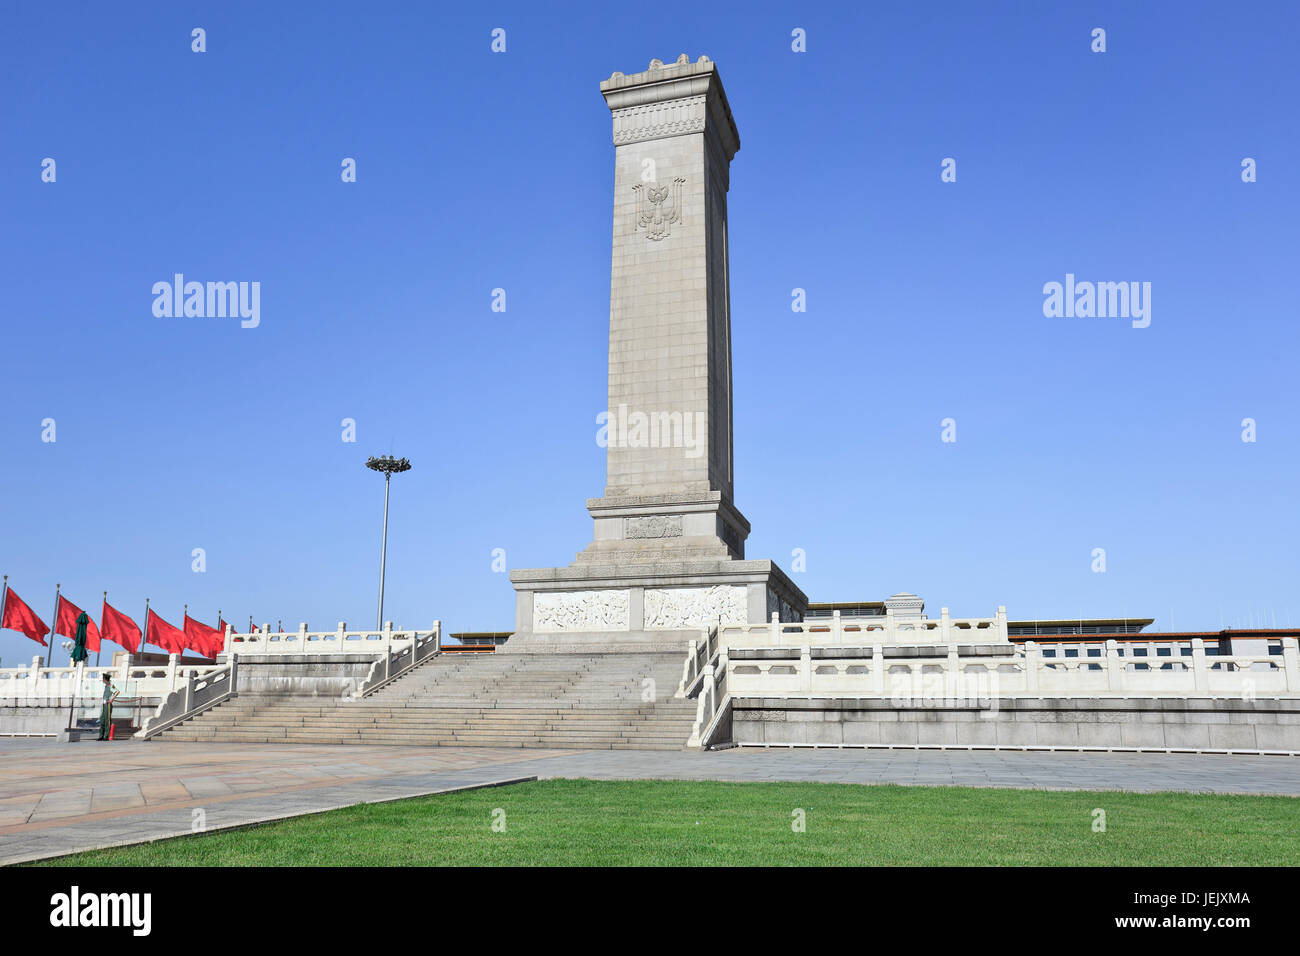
(695, 607)
(605, 610)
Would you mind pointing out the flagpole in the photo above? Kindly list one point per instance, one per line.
(144, 631)
(101, 631)
(5, 599)
(49, 657)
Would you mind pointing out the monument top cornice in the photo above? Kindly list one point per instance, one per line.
(664, 83)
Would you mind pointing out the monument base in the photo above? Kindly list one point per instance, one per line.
(596, 609)
(688, 527)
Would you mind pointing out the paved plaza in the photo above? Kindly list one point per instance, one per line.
(60, 798)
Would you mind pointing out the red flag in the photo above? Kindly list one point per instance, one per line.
(206, 640)
(119, 628)
(17, 616)
(65, 623)
(161, 634)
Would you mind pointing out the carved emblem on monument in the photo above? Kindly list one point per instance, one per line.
(653, 526)
(658, 207)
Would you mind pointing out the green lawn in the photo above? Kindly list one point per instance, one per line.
(593, 823)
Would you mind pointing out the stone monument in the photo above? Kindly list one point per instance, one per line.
(668, 553)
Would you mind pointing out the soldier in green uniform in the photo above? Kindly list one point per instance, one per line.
(106, 714)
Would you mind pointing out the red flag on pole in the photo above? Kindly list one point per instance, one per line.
(206, 640)
(118, 628)
(161, 634)
(17, 616)
(65, 623)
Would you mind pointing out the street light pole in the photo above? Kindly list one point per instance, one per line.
(389, 466)
(383, 556)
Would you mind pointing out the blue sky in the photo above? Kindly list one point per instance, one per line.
(478, 170)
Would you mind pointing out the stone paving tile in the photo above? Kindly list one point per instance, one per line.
(200, 787)
(29, 800)
(18, 810)
(312, 773)
(347, 769)
(114, 796)
(62, 803)
(163, 792)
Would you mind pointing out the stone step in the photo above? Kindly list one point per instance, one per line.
(384, 741)
(538, 707)
(545, 707)
(505, 740)
(560, 701)
(450, 717)
(487, 740)
(460, 732)
(674, 733)
(629, 725)
(620, 729)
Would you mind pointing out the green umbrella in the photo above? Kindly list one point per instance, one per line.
(79, 650)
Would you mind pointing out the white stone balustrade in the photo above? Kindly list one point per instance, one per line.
(1025, 672)
(38, 684)
(834, 631)
(712, 704)
(906, 661)
(341, 640)
(698, 654)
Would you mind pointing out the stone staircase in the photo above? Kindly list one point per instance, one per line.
(586, 701)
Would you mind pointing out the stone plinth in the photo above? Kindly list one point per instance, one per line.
(595, 608)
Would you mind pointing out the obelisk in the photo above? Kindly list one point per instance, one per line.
(667, 556)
